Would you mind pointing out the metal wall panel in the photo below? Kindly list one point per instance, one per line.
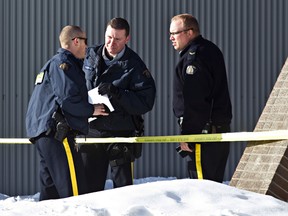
(252, 35)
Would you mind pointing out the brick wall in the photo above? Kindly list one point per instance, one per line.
(263, 167)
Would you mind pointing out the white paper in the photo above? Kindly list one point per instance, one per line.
(95, 98)
(91, 119)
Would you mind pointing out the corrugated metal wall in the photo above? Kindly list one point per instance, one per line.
(252, 35)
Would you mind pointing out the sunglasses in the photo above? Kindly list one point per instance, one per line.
(81, 38)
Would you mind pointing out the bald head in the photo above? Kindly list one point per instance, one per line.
(68, 33)
(73, 39)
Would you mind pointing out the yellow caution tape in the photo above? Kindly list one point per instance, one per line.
(218, 137)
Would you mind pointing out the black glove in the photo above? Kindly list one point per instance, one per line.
(107, 88)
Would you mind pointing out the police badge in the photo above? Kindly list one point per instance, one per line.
(191, 69)
(147, 73)
(64, 66)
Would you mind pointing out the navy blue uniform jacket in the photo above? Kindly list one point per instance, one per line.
(136, 87)
(60, 83)
(200, 87)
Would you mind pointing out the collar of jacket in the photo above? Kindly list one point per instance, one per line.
(116, 58)
(193, 42)
(70, 55)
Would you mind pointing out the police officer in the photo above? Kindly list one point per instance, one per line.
(201, 98)
(118, 72)
(58, 110)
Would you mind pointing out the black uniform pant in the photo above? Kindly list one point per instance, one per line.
(98, 157)
(208, 161)
(55, 178)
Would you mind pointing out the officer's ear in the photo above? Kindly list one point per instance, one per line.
(128, 38)
(75, 41)
(190, 32)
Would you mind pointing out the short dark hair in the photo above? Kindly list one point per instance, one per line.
(119, 23)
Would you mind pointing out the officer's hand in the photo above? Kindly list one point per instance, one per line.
(185, 147)
(99, 109)
(107, 88)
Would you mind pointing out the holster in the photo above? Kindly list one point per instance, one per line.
(139, 131)
(119, 154)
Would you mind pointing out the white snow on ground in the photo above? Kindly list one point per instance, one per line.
(152, 196)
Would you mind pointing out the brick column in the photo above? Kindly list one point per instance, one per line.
(263, 167)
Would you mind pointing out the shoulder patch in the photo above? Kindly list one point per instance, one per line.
(147, 73)
(191, 69)
(64, 66)
(40, 78)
